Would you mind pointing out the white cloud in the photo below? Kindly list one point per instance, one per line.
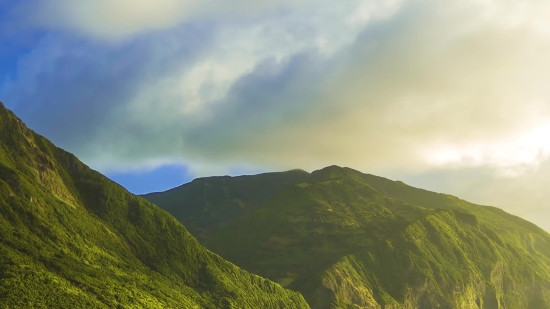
(123, 19)
(112, 19)
(510, 155)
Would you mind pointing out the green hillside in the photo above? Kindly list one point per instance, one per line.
(206, 205)
(71, 238)
(345, 239)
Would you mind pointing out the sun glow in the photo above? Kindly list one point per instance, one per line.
(509, 156)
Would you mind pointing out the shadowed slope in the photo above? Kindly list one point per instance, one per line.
(71, 238)
(208, 204)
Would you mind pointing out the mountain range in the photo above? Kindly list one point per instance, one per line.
(71, 238)
(333, 238)
(345, 239)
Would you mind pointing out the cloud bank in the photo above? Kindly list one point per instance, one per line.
(123, 19)
(413, 88)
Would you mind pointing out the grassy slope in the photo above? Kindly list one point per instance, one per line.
(350, 240)
(207, 205)
(69, 237)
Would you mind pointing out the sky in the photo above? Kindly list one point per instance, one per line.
(451, 96)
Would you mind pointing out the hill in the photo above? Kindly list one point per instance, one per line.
(71, 238)
(208, 204)
(345, 239)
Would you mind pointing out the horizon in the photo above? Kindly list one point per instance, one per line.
(448, 97)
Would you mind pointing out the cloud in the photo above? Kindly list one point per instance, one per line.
(76, 92)
(163, 94)
(421, 89)
(123, 19)
(430, 86)
(525, 195)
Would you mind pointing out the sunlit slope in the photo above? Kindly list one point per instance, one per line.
(71, 238)
(351, 240)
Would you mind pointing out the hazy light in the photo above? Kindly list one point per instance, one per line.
(509, 156)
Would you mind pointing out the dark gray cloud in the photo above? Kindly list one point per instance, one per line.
(75, 91)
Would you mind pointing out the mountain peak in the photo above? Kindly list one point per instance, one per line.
(333, 167)
(329, 172)
(296, 170)
(345, 239)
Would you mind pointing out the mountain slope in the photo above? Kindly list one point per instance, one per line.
(69, 237)
(209, 204)
(350, 240)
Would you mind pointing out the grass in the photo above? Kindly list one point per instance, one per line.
(350, 240)
(69, 237)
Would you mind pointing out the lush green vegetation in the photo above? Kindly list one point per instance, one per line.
(209, 204)
(71, 238)
(350, 240)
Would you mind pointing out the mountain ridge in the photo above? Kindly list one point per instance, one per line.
(69, 237)
(345, 239)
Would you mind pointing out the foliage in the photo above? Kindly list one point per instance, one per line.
(350, 240)
(69, 237)
(209, 204)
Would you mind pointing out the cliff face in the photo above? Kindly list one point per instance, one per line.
(350, 240)
(441, 261)
(71, 238)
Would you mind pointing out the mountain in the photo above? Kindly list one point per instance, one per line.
(208, 204)
(71, 238)
(345, 239)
